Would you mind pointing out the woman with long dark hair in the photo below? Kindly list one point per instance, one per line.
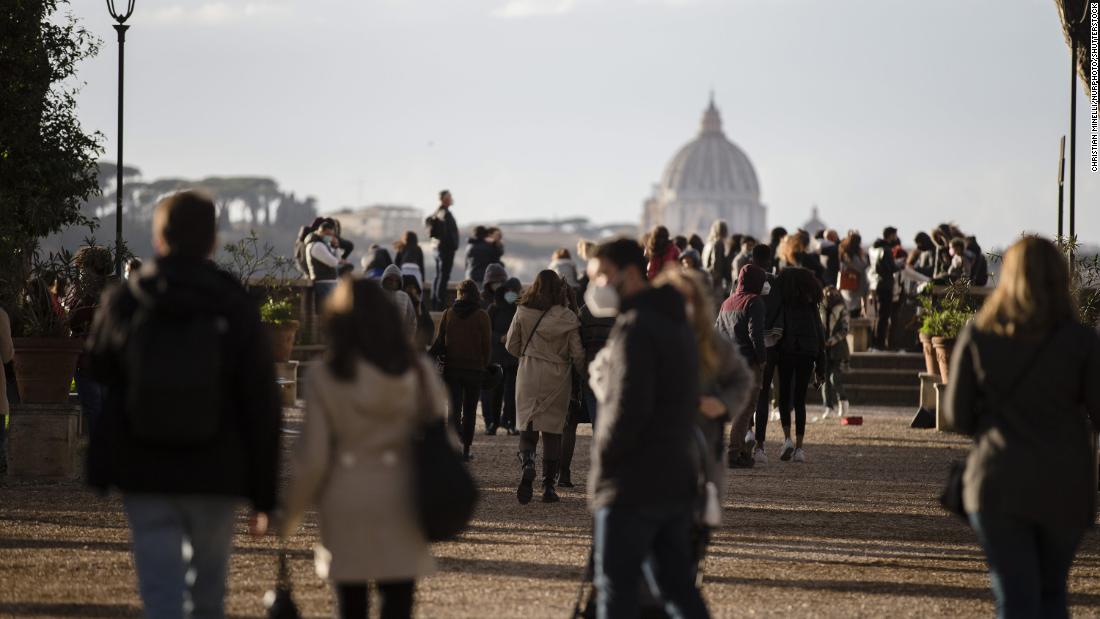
(467, 336)
(407, 251)
(801, 354)
(661, 251)
(545, 337)
(353, 459)
(1024, 383)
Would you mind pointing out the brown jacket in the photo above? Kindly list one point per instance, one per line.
(1031, 403)
(468, 336)
(545, 379)
(353, 461)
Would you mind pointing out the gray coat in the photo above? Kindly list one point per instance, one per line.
(1032, 428)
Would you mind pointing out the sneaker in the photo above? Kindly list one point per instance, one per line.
(799, 455)
(829, 412)
(740, 460)
(787, 451)
(491, 429)
(775, 414)
(759, 457)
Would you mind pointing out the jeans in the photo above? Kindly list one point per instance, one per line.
(465, 386)
(885, 313)
(794, 378)
(1028, 564)
(764, 397)
(91, 398)
(395, 599)
(832, 390)
(444, 262)
(626, 537)
(181, 552)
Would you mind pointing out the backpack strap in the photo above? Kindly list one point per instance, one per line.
(533, 331)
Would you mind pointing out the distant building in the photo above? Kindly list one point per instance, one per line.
(710, 178)
(814, 225)
(381, 222)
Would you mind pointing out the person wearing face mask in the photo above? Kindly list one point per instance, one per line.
(498, 405)
(494, 278)
(391, 286)
(413, 286)
(644, 479)
(741, 321)
(324, 263)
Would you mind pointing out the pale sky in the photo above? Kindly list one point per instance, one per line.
(880, 112)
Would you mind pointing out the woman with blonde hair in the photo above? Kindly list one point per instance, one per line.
(726, 380)
(1024, 383)
(353, 459)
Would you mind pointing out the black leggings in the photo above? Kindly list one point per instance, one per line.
(465, 386)
(551, 444)
(795, 372)
(395, 599)
(568, 444)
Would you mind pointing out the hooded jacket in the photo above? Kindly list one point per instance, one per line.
(405, 307)
(741, 317)
(501, 313)
(644, 450)
(468, 335)
(548, 346)
(241, 459)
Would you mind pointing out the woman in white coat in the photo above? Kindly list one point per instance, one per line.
(354, 457)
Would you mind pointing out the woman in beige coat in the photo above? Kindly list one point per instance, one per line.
(353, 459)
(545, 336)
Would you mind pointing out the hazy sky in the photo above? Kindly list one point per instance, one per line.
(878, 111)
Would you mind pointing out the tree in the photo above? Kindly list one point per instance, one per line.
(47, 160)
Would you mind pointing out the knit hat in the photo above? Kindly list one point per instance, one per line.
(391, 271)
(494, 274)
(410, 269)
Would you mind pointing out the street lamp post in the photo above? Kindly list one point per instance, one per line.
(121, 28)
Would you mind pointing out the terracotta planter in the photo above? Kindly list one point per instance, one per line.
(944, 346)
(282, 339)
(930, 365)
(44, 368)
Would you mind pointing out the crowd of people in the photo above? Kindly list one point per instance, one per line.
(668, 345)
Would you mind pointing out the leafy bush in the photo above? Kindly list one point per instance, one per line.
(946, 317)
(277, 312)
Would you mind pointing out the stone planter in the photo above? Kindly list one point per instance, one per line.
(44, 368)
(43, 441)
(944, 346)
(282, 339)
(930, 362)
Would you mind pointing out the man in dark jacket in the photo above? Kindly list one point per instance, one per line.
(483, 249)
(741, 321)
(443, 231)
(885, 267)
(498, 405)
(192, 417)
(645, 465)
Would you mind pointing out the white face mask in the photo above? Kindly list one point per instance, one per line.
(510, 297)
(602, 301)
(766, 289)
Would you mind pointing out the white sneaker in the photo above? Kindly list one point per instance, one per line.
(829, 412)
(759, 457)
(787, 451)
(750, 437)
(799, 455)
(775, 414)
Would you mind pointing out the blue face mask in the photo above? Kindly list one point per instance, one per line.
(511, 297)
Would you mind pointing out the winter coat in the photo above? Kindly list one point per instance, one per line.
(857, 263)
(566, 270)
(670, 255)
(501, 314)
(242, 458)
(744, 328)
(594, 333)
(882, 268)
(443, 230)
(7, 352)
(834, 320)
(353, 461)
(411, 255)
(1032, 457)
(803, 334)
(479, 255)
(406, 309)
(468, 336)
(647, 383)
(546, 365)
(717, 264)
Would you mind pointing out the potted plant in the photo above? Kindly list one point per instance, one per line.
(927, 327)
(45, 352)
(260, 269)
(941, 324)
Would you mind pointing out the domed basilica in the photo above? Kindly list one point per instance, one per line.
(710, 178)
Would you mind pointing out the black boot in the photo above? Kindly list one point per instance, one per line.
(466, 457)
(565, 480)
(549, 475)
(527, 477)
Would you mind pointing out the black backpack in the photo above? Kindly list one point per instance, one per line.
(174, 373)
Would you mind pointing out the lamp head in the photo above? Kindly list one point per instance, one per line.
(123, 16)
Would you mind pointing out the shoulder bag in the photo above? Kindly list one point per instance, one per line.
(438, 349)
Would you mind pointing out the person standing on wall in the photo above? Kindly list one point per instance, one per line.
(443, 230)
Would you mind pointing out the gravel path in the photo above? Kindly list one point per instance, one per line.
(856, 531)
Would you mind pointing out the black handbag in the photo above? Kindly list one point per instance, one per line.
(438, 349)
(280, 602)
(443, 489)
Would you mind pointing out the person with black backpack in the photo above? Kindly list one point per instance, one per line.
(443, 230)
(190, 425)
